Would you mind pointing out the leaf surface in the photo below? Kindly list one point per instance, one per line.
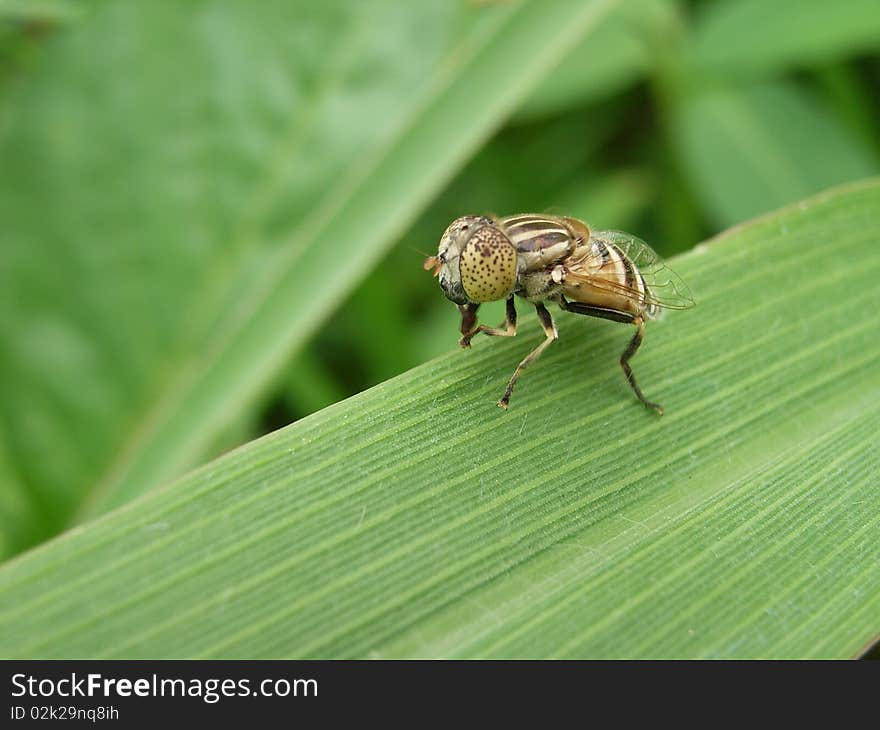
(416, 519)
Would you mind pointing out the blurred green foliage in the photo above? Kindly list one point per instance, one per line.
(214, 213)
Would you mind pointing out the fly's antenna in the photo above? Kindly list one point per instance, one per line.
(432, 264)
(420, 252)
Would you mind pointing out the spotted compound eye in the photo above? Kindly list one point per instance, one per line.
(488, 265)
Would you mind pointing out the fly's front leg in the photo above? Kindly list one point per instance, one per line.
(624, 363)
(468, 323)
(468, 328)
(551, 335)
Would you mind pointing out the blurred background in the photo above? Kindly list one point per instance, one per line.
(213, 214)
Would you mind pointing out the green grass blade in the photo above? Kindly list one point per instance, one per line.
(41, 11)
(417, 519)
(622, 51)
(747, 150)
(753, 37)
(190, 242)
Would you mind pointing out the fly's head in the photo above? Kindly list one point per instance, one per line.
(475, 261)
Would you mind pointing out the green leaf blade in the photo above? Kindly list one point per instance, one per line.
(749, 149)
(616, 56)
(750, 37)
(39, 11)
(417, 519)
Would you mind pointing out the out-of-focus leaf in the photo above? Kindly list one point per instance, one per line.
(622, 51)
(609, 199)
(852, 97)
(16, 508)
(188, 191)
(419, 520)
(678, 217)
(309, 387)
(747, 150)
(757, 37)
(40, 11)
(25, 26)
(524, 168)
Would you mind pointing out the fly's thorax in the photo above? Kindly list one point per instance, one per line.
(542, 240)
(536, 286)
(488, 265)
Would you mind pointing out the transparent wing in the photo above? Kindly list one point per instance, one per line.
(665, 288)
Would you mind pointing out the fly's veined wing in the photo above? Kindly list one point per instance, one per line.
(665, 288)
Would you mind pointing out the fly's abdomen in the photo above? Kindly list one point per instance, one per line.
(604, 276)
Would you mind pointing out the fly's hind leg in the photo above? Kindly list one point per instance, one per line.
(469, 321)
(630, 350)
(551, 335)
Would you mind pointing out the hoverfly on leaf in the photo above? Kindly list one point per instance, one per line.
(541, 258)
